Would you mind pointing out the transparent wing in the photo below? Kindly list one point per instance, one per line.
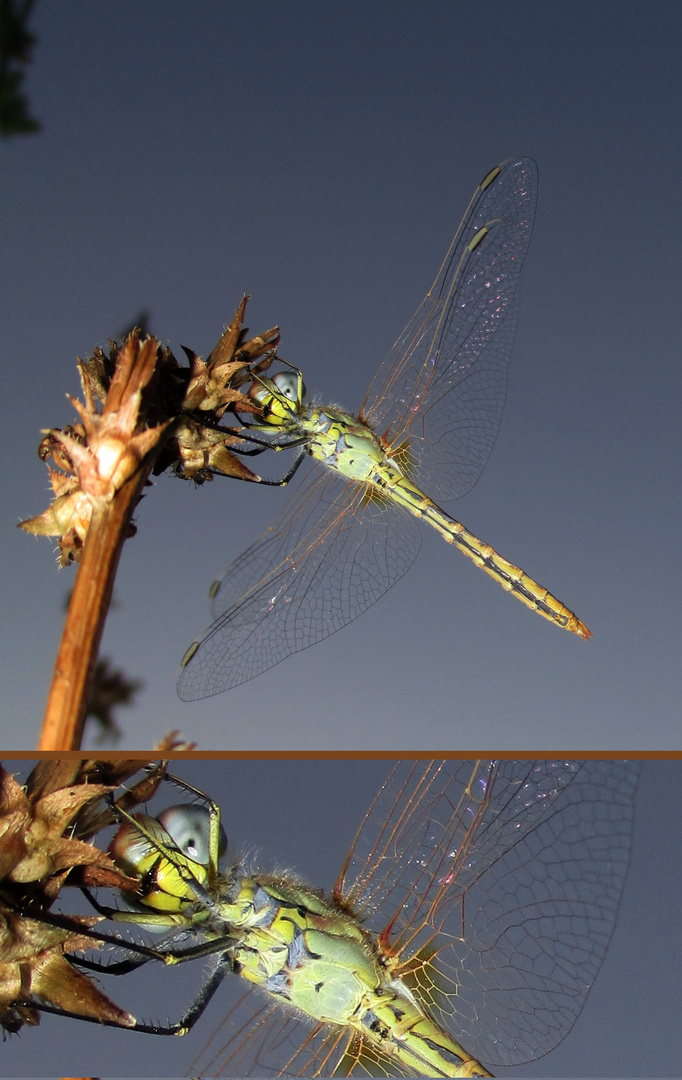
(329, 556)
(496, 884)
(334, 551)
(257, 1038)
(443, 385)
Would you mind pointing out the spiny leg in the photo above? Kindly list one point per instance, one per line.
(198, 1006)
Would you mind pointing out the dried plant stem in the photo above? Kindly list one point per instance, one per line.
(79, 648)
(113, 464)
(153, 415)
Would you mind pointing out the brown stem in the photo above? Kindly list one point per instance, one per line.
(151, 414)
(68, 697)
(113, 465)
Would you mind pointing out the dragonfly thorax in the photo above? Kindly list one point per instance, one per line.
(343, 442)
(298, 946)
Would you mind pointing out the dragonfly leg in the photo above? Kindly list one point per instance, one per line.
(290, 473)
(244, 433)
(167, 955)
(262, 444)
(270, 483)
(259, 447)
(184, 1025)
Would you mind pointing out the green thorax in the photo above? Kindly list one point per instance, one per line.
(345, 443)
(342, 442)
(299, 947)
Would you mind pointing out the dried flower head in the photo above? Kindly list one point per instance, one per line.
(143, 411)
(97, 457)
(45, 828)
(197, 447)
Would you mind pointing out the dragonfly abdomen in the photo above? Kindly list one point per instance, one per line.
(516, 581)
(405, 1032)
(510, 577)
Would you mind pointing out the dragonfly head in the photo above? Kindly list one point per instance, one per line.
(189, 827)
(280, 397)
(184, 832)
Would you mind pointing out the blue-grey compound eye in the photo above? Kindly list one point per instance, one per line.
(287, 383)
(188, 827)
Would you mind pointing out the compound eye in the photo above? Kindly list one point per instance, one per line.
(287, 384)
(130, 849)
(259, 393)
(189, 827)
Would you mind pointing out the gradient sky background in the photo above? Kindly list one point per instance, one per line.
(303, 815)
(320, 157)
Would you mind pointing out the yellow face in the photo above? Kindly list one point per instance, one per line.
(280, 397)
(165, 885)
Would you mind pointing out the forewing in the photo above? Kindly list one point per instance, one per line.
(328, 557)
(443, 385)
(497, 885)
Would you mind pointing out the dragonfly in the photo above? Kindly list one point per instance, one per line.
(425, 431)
(464, 929)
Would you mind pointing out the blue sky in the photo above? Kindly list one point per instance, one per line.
(320, 158)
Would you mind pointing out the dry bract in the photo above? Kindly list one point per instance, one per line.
(143, 411)
(45, 828)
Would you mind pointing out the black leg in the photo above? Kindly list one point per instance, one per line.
(184, 1025)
